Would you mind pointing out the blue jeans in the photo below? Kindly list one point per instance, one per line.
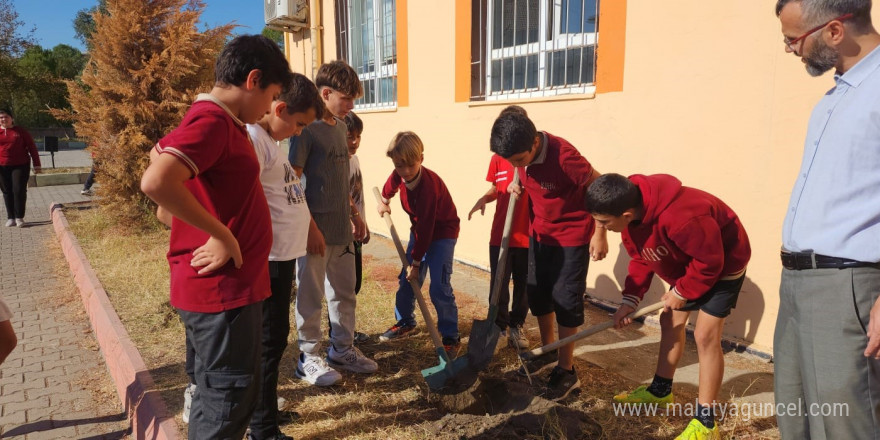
(437, 260)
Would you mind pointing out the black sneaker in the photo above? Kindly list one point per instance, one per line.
(538, 364)
(562, 383)
(452, 346)
(360, 338)
(396, 331)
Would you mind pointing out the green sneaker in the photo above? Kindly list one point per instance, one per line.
(642, 395)
(697, 431)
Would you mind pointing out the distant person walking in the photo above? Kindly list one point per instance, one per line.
(17, 151)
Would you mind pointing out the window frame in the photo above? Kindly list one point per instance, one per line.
(483, 55)
(377, 68)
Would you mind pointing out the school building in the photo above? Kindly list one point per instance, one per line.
(701, 90)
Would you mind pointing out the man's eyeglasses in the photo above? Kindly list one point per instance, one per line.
(792, 43)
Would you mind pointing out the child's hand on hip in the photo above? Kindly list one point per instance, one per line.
(215, 253)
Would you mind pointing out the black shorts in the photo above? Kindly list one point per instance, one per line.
(557, 281)
(719, 300)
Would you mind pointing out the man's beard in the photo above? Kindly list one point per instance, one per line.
(821, 59)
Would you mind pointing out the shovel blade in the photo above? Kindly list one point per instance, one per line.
(482, 342)
(439, 375)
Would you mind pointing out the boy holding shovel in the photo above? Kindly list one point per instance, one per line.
(433, 236)
(556, 178)
(694, 242)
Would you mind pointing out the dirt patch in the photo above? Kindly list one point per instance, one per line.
(396, 403)
(507, 408)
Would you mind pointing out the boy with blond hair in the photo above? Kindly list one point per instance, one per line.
(433, 235)
(206, 176)
(321, 154)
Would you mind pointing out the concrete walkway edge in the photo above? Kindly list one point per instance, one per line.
(149, 416)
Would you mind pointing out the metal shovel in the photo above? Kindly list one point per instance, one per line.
(484, 333)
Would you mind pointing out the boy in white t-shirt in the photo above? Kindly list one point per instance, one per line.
(294, 110)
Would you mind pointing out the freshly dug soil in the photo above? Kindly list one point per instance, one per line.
(506, 408)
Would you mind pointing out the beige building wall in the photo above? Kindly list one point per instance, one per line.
(709, 95)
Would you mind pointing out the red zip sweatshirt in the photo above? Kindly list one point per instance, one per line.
(17, 147)
(430, 208)
(688, 237)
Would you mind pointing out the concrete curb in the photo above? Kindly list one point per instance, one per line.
(149, 417)
(36, 180)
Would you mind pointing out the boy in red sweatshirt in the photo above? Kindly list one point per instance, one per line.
(694, 242)
(433, 235)
(556, 178)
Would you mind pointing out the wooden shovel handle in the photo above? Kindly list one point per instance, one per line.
(417, 289)
(587, 332)
(503, 260)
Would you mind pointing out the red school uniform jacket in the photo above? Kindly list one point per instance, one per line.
(556, 189)
(688, 237)
(501, 174)
(430, 208)
(215, 146)
(17, 147)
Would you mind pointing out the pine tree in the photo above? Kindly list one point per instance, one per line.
(148, 61)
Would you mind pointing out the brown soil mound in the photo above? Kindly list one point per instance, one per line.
(494, 408)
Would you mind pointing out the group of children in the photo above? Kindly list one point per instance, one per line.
(242, 222)
(226, 190)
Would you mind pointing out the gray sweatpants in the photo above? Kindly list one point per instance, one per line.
(825, 387)
(337, 265)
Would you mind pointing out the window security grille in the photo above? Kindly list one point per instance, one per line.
(532, 48)
(367, 40)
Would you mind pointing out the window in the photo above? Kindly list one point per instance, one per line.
(367, 40)
(532, 48)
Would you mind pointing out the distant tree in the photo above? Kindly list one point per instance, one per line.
(40, 86)
(147, 64)
(274, 35)
(69, 61)
(84, 22)
(12, 44)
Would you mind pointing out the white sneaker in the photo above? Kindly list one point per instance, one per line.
(352, 360)
(87, 192)
(516, 338)
(187, 401)
(19, 222)
(10, 223)
(314, 370)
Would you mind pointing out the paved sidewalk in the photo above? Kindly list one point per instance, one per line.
(66, 158)
(49, 382)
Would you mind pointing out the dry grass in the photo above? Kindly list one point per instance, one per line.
(393, 404)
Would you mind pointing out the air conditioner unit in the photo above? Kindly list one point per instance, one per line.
(287, 15)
